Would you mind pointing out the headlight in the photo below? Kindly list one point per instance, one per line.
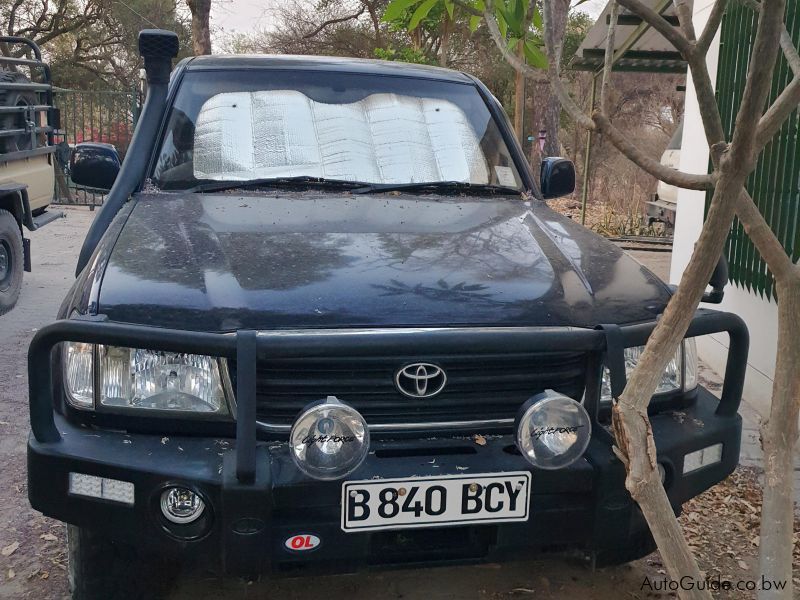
(329, 440)
(127, 378)
(553, 430)
(680, 374)
(78, 360)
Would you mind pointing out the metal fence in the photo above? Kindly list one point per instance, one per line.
(93, 116)
(774, 183)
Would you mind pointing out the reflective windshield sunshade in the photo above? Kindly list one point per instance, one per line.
(383, 138)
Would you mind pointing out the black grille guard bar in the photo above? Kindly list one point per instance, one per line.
(247, 347)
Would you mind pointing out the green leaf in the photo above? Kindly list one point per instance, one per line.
(450, 6)
(534, 55)
(474, 23)
(518, 11)
(502, 23)
(536, 18)
(512, 43)
(395, 9)
(421, 12)
(479, 5)
(507, 16)
(501, 13)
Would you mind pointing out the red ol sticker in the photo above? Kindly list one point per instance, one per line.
(302, 542)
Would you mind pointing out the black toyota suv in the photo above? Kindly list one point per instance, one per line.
(325, 321)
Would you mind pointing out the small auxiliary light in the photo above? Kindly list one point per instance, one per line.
(101, 488)
(702, 458)
(181, 505)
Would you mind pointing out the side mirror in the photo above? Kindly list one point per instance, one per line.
(718, 281)
(557, 177)
(94, 165)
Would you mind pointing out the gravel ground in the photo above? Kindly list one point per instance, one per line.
(32, 559)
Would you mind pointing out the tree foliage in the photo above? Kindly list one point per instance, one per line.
(91, 43)
(520, 25)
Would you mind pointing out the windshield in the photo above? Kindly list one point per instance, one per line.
(230, 126)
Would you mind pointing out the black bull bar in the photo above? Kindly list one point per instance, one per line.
(607, 342)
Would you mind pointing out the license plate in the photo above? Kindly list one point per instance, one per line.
(435, 501)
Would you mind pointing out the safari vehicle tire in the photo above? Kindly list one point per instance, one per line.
(100, 568)
(15, 120)
(11, 261)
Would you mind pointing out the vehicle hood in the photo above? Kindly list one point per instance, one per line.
(300, 259)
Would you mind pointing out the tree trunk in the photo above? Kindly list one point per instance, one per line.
(778, 439)
(551, 118)
(519, 100)
(732, 163)
(201, 26)
(376, 22)
(444, 44)
(632, 431)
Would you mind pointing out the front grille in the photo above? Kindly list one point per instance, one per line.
(479, 387)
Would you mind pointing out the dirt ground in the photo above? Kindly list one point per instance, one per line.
(32, 557)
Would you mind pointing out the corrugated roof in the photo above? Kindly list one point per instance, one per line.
(645, 48)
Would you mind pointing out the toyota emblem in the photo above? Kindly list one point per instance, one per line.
(420, 380)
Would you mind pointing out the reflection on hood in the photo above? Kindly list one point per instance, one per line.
(293, 260)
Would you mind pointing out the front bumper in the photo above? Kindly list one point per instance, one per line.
(584, 507)
(256, 498)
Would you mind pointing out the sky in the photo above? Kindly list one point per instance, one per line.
(249, 16)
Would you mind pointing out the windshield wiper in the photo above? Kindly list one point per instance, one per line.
(437, 186)
(221, 186)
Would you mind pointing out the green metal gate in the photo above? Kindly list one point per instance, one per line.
(775, 183)
(93, 116)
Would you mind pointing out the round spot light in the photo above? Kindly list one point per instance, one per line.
(329, 440)
(181, 505)
(553, 430)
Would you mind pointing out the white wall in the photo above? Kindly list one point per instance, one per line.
(760, 315)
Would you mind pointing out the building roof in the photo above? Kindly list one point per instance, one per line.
(324, 63)
(637, 46)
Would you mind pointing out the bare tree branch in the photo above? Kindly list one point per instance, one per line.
(763, 55)
(787, 45)
(657, 22)
(334, 21)
(756, 90)
(651, 165)
(608, 60)
(764, 239)
(704, 88)
(712, 26)
(779, 435)
(553, 68)
(789, 98)
(684, 10)
(600, 121)
(776, 115)
(790, 52)
(631, 425)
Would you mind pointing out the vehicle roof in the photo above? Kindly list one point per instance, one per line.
(324, 63)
